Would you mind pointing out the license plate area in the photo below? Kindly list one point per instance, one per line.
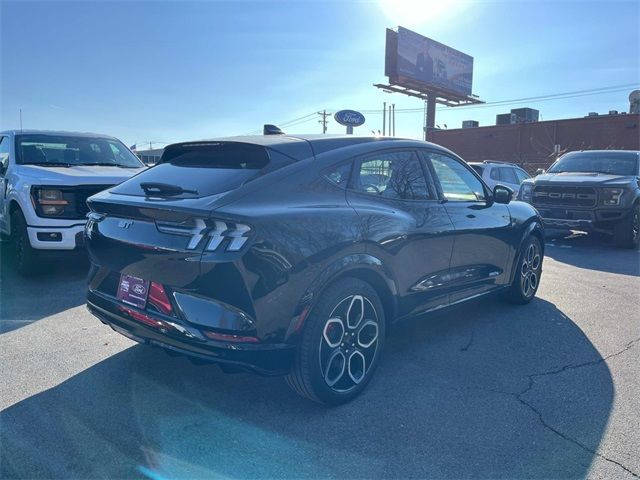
(133, 291)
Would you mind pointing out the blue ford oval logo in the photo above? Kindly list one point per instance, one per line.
(349, 118)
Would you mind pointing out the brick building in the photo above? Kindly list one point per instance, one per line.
(536, 145)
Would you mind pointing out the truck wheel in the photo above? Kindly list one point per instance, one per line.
(626, 234)
(340, 345)
(528, 273)
(25, 256)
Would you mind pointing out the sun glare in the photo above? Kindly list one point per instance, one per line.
(414, 13)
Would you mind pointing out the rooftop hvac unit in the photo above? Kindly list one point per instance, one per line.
(613, 112)
(470, 123)
(526, 115)
(505, 118)
(593, 114)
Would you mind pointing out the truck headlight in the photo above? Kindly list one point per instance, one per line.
(611, 196)
(526, 190)
(49, 202)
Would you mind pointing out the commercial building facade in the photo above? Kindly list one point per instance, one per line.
(536, 145)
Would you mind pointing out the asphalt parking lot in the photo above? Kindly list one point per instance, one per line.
(549, 390)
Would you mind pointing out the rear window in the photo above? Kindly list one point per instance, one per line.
(203, 169)
(478, 168)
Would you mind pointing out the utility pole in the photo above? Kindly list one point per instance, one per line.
(394, 119)
(384, 119)
(324, 120)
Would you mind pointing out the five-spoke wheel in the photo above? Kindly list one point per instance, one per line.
(530, 269)
(349, 343)
(527, 278)
(341, 343)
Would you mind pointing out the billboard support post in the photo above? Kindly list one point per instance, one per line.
(430, 119)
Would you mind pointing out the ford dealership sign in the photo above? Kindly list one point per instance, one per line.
(349, 118)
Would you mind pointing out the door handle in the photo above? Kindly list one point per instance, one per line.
(471, 215)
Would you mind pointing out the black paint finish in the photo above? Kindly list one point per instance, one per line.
(307, 228)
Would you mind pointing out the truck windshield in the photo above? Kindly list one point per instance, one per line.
(70, 151)
(614, 163)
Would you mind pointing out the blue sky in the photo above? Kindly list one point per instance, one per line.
(169, 71)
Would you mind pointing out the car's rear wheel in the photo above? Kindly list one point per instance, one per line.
(25, 256)
(529, 271)
(626, 234)
(341, 343)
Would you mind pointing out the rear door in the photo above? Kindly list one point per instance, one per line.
(404, 225)
(483, 230)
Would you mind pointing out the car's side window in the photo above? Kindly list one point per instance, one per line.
(396, 175)
(522, 175)
(495, 173)
(339, 174)
(507, 174)
(457, 182)
(4, 154)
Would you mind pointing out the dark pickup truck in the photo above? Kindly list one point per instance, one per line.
(593, 191)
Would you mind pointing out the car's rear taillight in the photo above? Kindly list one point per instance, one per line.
(218, 234)
(159, 299)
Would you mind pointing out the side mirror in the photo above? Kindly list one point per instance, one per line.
(540, 171)
(502, 194)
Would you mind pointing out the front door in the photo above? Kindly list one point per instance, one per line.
(482, 228)
(404, 225)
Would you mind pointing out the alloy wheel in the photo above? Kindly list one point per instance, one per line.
(530, 270)
(635, 226)
(349, 343)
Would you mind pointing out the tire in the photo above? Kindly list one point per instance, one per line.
(528, 272)
(626, 234)
(25, 256)
(340, 345)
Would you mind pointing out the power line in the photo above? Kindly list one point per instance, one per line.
(540, 98)
(288, 123)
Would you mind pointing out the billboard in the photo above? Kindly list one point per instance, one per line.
(418, 62)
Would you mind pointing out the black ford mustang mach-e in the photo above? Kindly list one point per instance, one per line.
(293, 255)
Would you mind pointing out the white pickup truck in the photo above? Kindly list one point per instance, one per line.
(45, 179)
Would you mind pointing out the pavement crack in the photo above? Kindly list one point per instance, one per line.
(464, 348)
(556, 371)
(545, 424)
(572, 440)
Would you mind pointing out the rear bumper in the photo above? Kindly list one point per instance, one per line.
(262, 358)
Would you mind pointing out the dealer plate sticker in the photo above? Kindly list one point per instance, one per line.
(133, 290)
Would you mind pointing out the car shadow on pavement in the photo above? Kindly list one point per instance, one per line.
(485, 390)
(58, 286)
(592, 252)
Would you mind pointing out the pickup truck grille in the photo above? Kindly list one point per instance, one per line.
(80, 195)
(564, 196)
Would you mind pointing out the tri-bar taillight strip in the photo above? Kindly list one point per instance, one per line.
(198, 230)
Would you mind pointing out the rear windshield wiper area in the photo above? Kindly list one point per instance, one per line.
(153, 189)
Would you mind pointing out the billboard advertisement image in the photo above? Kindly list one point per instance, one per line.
(412, 59)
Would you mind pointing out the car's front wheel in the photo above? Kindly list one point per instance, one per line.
(528, 272)
(25, 256)
(341, 343)
(626, 234)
